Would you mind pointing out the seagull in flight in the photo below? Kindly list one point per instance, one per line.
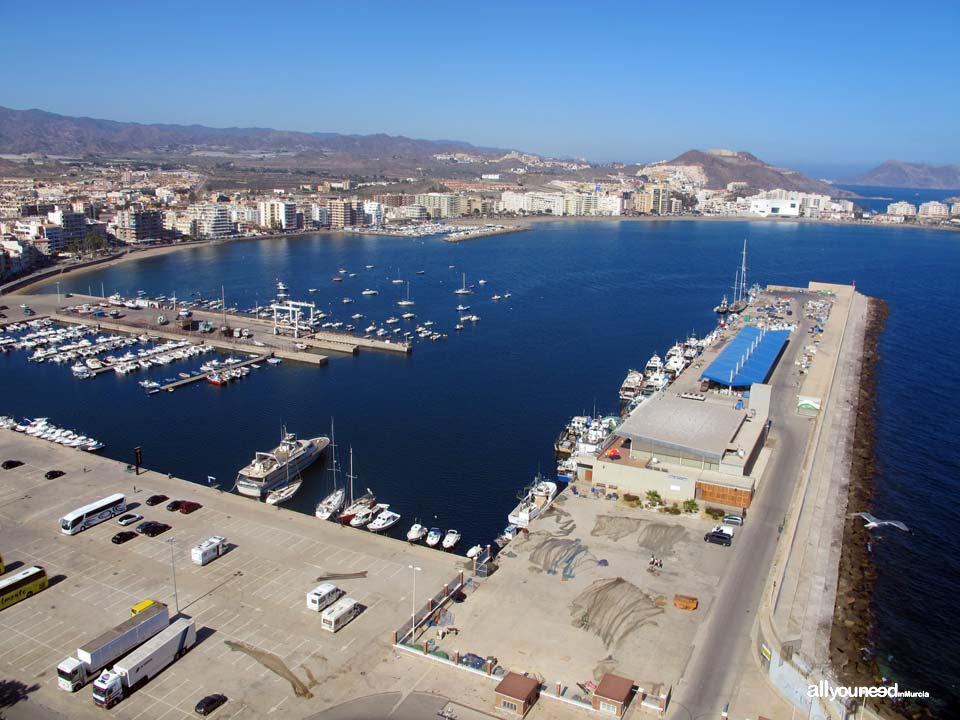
(872, 522)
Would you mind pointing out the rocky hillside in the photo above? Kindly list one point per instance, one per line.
(723, 167)
(894, 173)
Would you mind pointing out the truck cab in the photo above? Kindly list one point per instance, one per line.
(107, 689)
(71, 674)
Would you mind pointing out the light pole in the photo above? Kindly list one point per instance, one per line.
(58, 296)
(173, 572)
(413, 613)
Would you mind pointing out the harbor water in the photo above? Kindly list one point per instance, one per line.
(450, 433)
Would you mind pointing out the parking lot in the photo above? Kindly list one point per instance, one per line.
(575, 598)
(257, 642)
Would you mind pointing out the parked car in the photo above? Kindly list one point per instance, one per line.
(209, 704)
(156, 529)
(156, 499)
(129, 519)
(11, 464)
(122, 537)
(733, 520)
(718, 538)
(459, 596)
(53, 474)
(174, 505)
(188, 506)
(146, 525)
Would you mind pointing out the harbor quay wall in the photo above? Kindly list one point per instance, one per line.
(786, 657)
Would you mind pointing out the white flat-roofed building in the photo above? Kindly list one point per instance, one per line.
(533, 202)
(774, 208)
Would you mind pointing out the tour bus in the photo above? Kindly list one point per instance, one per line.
(90, 515)
(18, 586)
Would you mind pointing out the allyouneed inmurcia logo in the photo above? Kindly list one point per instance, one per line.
(823, 690)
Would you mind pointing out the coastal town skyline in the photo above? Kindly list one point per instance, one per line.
(639, 90)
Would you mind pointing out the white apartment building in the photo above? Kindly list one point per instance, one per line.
(373, 213)
(533, 202)
(245, 214)
(955, 209)
(441, 205)
(320, 215)
(413, 212)
(610, 205)
(212, 220)
(277, 214)
(934, 209)
(902, 208)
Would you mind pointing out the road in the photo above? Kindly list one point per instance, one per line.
(723, 645)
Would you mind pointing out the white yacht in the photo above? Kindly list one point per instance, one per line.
(654, 364)
(632, 385)
(370, 291)
(408, 302)
(270, 469)
(385, 520)
(416, 532)
(450, 539)
(434, 536)
(464, 290)
(367, 514)
(533, 502)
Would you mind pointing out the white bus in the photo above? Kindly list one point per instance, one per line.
(95, 512)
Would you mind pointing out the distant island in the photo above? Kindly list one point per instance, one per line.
(894, 173)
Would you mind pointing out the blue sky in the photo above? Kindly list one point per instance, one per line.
(815, 85)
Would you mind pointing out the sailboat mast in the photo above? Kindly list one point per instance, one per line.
(351, 475)
(736, 288)
(743, 271)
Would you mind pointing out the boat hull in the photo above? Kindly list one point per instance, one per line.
(255, 487)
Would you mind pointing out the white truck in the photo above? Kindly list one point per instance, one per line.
(208, 550)
(144, 663)
(74, 672)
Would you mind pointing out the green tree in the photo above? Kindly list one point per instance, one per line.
(690, 506)
(653, 497)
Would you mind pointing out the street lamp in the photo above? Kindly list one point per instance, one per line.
(413, 613)
(58, 295)
(173, 572)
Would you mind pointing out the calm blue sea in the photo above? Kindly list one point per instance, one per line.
(449, 434)
(877, 198)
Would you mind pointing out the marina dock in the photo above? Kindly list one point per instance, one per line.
(170, 387)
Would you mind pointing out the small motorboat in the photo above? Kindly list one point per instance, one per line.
(474, 551)
(416, 532)
(450, 539)
(433, 537)
(384, 521)
(366, 515)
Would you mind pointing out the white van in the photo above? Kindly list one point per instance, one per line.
(338, 615)
(208, 550)
(725, 529)
(323, 596)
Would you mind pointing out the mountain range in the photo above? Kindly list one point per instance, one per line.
(894, 173)
(38, 131)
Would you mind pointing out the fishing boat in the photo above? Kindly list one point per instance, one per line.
(508, 534)
(216, 378)
(267, 470)
(533, 501)
(416, 532)
(332, 503)
(450, 539)
(366, 500)
(434, 537)
(385, 520)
